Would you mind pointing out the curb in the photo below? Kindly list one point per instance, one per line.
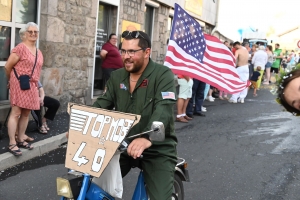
(41, 147)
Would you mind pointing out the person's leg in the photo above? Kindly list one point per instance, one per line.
(189, 94)
(125, 164)
(185, 104)
(22, 125)
(190, 107)
(254, 92)
(183, 87)
(221, 95)
(38, 117)
(210, 98)
(207, 86)
(251, 70)
(199, 97)
(159, 176)
(225, 95)
(180, 106)
(244, 74)
(267, 76)
(258, 82)
(52, 105)
(12, 125)
(268, 72)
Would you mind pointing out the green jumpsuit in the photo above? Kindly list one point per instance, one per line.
(153, 98)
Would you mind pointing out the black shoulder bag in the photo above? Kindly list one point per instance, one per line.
(24, 79)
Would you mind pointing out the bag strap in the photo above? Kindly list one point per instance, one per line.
(16, 73)
(36, 55)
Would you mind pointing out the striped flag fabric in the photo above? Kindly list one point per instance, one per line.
(201, 56)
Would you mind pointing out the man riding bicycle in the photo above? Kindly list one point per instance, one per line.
(145, 88)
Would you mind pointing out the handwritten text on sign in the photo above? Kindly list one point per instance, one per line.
(94, 136)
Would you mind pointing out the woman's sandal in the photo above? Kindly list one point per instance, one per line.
(46, 126)
(17, 152)
(43, 130)
(24, 146)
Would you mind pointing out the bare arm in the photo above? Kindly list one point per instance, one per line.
(103, 53)
(11, 62)
(236, 54)
(42, 95)
(42, 92)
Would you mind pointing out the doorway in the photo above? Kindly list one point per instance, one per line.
(107, 24)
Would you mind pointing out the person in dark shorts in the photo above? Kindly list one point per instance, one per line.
(255, 76)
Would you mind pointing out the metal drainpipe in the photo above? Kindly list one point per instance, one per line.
(217, 16)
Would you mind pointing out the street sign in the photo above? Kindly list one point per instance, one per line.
(298, 44)
(94, 136)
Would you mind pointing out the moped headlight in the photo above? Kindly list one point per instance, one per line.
(64, 188)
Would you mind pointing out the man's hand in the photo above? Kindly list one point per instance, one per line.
(67, 135)
(137, 147)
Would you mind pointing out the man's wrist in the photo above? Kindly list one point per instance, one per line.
(146, 136)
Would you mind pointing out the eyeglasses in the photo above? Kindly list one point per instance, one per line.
(129, 52)
(31, 32)
(134, 34)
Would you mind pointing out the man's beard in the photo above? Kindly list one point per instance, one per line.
(136, 67)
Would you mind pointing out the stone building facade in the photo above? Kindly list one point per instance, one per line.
(67, 41)
(72, 32)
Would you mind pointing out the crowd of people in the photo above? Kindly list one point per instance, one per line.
(255, 63)
(141, 87)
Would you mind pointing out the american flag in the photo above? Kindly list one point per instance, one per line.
(168, 95)
(201, 56)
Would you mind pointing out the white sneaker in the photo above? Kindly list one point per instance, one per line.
(203, 109)
(211, 99)
(232, 101)
(241, 100)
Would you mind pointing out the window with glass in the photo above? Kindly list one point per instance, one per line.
(148, 20)
(13, 16)
(170, 21)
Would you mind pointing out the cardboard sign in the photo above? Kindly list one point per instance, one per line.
(94, 136)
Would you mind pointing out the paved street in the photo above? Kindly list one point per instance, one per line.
(236, 152)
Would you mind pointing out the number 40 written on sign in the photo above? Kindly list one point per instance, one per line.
(98, 158)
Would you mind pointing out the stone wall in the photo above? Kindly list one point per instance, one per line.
(133, 10)
(160, 34)
(67, 39)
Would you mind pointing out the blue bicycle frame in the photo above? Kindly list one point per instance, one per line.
(91, 191)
